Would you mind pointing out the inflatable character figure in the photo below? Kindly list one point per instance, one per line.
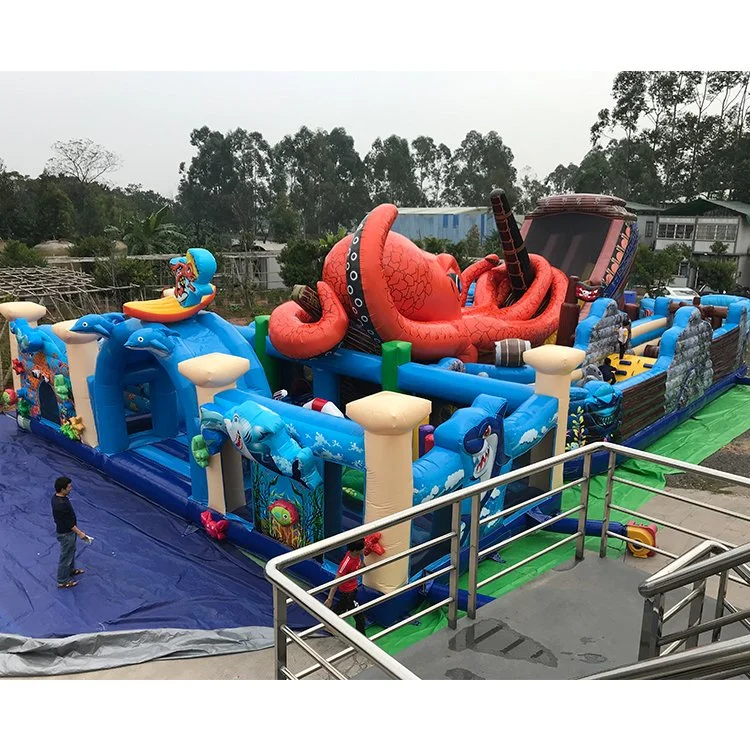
(262, 435)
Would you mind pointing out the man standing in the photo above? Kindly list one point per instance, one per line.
(67, 531)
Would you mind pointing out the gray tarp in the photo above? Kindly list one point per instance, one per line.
(37, 657)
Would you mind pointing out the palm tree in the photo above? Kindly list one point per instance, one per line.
(151, 235)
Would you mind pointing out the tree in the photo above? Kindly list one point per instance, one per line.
(718, 273)
(301, 261)
(93, 247)
(54, 210)
(17, 207)
(17, 255)
(432, 163)
(83, 160)
(654, 269)
(593, 173)
(532, 190)
(206, 185)
(693, 123)
(324, 177)
(392, 172)
(284, 221)
(151, 235)
(561, 179)
(481, 164)
(251, 197)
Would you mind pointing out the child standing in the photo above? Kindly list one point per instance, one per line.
(347, 599)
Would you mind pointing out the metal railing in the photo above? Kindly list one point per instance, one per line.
(721, 660)
(287, 591)
(284, 586)
(715, 661)
(694, 568)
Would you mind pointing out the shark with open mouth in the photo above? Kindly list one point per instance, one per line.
(261, 435)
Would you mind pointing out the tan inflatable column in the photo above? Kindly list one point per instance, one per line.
(211, 374)
(389, 419)
(83, 349)
(553, 365)
(30, 312)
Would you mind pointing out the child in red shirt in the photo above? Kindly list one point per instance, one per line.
(348, 589)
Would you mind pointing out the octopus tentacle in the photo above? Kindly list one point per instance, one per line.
(429, 339)
(296, 334)
(474, 271)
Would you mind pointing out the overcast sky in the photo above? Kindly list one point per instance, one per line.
(147, 117)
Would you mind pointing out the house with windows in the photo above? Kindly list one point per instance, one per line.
(699, 224)
(646, 216)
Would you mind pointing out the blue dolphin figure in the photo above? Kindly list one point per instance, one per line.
(160, 340)
(101, 325)
(29, 339)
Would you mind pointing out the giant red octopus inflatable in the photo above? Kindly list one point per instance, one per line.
(383, 283)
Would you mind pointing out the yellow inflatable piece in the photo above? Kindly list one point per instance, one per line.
(165, 309)
(630, 365)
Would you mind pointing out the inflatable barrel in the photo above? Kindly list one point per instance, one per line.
(509, 352)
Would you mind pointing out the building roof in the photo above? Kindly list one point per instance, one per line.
(703, 205)
(440, 210)
(642, 208)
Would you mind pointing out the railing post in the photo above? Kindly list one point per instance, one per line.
(607, 502)
(720, 597)
(471, 610)
(653, 614)
(695, 614)
(583, 514)
(455, 558)
(279, 636)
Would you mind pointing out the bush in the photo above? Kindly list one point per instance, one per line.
(301, 261)
(93, 247)
(18, 255)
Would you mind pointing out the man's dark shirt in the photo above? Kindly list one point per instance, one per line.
(63, 513)
(608, 373)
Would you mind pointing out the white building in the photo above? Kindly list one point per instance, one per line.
(699, 224)
(647, 217)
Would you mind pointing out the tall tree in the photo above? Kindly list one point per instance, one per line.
(392, 175)
(206, 184)
(250, 199)
(324, 178)
(561, 178)
(54, 210)
(480, 164)
(83, 160)
(532, 189)
(433, 164)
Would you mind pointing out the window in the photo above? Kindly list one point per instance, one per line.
(721, 232)
(455, 222)
(682, 270)
(675, 231)
(649, 229)
(445, 221)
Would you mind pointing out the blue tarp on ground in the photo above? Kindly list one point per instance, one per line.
(146, 569)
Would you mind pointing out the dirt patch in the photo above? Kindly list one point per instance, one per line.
(733, 459)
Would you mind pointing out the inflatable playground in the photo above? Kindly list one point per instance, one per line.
(398, 379)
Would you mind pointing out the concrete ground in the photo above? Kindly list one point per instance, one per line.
(734, 459)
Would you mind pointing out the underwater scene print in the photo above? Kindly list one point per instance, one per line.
(283, 508)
